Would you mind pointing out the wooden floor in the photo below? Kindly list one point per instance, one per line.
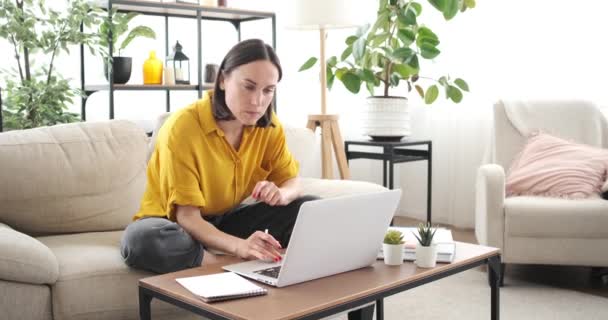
(566, 277)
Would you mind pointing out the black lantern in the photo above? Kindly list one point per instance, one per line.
(180, 64)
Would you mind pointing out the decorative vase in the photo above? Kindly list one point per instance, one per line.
(426, 257)
(393, 254)
(153, 69)
(386, 118)
(121, 69)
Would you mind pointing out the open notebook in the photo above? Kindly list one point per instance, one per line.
(221, 286)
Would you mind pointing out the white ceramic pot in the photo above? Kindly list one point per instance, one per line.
(386, 118)
(393, 254)
(426, 257)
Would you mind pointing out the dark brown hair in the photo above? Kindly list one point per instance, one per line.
(242, 53)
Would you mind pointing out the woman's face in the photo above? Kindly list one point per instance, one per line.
(249, 90)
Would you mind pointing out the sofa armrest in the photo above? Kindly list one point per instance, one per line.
(489, 206)
(25, 259)
(325, 188)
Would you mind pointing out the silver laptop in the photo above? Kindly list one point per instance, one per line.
(330, 236)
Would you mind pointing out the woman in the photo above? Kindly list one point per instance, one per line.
(208, 158)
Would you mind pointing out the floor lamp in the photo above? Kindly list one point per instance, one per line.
(322, 15)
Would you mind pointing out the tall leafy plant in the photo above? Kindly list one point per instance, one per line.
(388, 53)
(36, 94)
(118, 24)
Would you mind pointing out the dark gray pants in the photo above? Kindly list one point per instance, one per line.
(160, 245)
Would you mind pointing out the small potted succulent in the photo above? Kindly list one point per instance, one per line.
(426, 250)
(392, 247)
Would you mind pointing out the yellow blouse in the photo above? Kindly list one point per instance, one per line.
(193, 164)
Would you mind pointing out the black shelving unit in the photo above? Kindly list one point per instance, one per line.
(168, 10)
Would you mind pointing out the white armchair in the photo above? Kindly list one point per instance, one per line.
(538, 230)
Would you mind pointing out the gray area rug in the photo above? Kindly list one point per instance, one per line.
(467, 296)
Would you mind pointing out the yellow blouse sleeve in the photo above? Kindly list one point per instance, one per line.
(283, 166)
(179, 180)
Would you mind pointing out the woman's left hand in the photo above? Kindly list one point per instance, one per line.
(268, 192)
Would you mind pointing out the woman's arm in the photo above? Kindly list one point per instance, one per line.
(274, 195)
(259, 245)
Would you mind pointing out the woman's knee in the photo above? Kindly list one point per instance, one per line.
(297, 203)
(159, 245)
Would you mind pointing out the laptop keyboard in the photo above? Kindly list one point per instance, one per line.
(270, 272)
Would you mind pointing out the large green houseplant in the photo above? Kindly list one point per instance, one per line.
(388, 53)
(117, 24)
(35, 93)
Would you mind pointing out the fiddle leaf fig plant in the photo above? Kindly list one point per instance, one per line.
(389, 52)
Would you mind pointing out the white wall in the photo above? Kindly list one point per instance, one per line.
(504, 49)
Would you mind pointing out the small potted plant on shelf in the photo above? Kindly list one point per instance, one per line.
(388, 54)
(392, 247)
(426, 250)
(118, 24)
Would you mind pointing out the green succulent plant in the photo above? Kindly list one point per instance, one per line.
(425, 234)
(393, 237)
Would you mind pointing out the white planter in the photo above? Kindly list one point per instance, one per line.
(393, 254)
(426, 257)
(386, 118)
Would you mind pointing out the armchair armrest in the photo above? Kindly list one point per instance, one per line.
(25, 259)
(489, 206)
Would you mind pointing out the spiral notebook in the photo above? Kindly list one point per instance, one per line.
(221, 286)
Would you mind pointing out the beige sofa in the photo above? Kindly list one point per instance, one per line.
(66, 194)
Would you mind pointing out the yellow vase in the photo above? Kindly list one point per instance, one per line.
(153, 69)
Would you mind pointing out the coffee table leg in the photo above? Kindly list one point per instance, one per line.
(144, 305)
(380, 309)
(366, 313)
(494, 277)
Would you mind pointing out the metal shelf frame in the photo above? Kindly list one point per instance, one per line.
(169, 10)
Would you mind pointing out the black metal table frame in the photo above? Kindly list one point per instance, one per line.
(494, 273)
(394, 152)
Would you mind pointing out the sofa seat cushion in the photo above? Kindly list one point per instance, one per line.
(325, 188)
(94, 282)
(542, 217)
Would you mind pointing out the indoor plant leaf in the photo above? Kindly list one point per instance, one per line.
(308, 64)
(431, 94)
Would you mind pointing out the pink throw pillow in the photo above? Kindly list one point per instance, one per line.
(553, 167)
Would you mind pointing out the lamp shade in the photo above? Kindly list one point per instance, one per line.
(327, 14)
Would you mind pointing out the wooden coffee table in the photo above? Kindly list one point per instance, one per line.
(322, 297)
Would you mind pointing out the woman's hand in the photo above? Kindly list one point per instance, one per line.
(268, 192)
(259, 245)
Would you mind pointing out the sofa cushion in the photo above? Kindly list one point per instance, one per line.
(539, 217)
(95, 283)
(326, 188)
(554, 167)
(24, 259)
(72, 178)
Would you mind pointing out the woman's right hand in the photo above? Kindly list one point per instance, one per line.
(259, 245)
